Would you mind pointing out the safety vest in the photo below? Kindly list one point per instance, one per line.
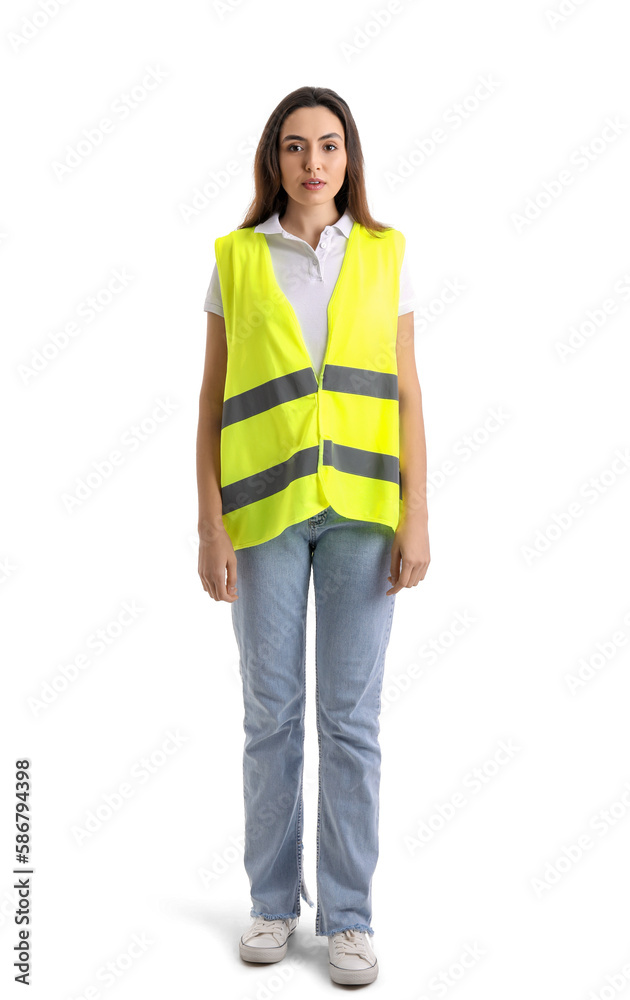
(294, 441)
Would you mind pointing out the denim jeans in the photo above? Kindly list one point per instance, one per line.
(351, 562)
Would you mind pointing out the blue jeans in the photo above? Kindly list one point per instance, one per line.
(351, 563)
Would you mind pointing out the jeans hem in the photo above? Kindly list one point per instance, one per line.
(350, 927)
(273, 916)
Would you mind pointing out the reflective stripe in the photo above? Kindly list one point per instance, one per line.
(272, 393)
(372, 464)
(361, 381)
(256, 487)
(356, 461)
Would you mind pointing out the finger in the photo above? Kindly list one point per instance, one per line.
(204, 583)
(224, 594)
(232, 582)
(394, 563)
(403, 579)
(422, 569)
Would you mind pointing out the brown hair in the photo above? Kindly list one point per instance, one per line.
(271, 197)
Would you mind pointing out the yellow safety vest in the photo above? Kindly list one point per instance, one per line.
(293, 442)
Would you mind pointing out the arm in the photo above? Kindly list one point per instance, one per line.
(216, 553)
(411, 541)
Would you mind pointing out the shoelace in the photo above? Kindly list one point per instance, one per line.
(276, 928)
(351, 942)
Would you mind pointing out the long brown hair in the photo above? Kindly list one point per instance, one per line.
(271, 197)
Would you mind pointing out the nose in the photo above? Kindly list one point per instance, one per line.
(312, 161)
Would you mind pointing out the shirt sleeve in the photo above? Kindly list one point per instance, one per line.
(213, 301)
(407, 300)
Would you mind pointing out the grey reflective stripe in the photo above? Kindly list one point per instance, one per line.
(269, 481)
(373, 464)
(361, 381)
(271, 393)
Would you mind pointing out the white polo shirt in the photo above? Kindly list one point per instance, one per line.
(308, 277)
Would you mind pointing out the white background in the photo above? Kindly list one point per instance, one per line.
(523, 546)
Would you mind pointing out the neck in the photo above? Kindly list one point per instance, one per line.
(307, 222)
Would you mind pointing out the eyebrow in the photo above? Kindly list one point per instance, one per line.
(329, 135)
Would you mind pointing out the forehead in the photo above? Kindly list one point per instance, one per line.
(313, 121)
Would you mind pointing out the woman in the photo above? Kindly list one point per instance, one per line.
(311, 456)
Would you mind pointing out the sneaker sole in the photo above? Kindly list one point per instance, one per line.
(353, 977)
(251, 953)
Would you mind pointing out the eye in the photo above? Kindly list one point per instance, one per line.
(295, 145)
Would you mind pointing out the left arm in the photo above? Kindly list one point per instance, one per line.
(411, 541)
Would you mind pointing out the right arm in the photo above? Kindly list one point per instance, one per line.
(216, 553)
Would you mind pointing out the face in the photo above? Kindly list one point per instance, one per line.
(312, 145)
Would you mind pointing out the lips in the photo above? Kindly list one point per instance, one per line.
(314, 184)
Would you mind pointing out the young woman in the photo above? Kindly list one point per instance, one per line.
(311, 457)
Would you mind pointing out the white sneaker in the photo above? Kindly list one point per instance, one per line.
(266, 940)
(351, 959)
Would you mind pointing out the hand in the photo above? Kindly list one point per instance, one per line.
(216, 553)
(411, 544)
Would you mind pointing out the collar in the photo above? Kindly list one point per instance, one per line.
(273, 225)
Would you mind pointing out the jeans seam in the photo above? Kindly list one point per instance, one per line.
(386, 636)
(299, 839)
(378, 712)
(318, 918)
